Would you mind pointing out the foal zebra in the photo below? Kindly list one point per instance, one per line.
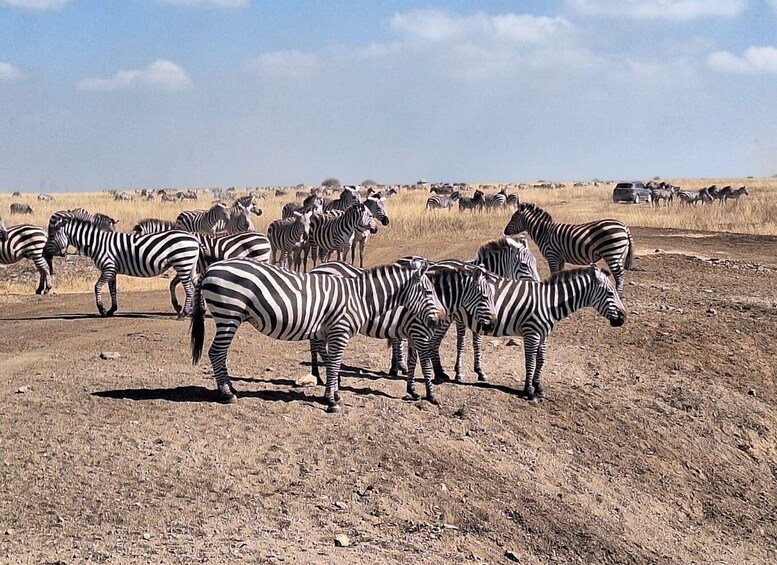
(578, 244)
(295, 307)
(126, 254)
(332, 232)
(287, 237)
(532, 309)
(461, 287)
(442, 201)
(202, 221)
(26, 242)
(375, 203)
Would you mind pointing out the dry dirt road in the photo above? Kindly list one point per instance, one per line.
(657, 443)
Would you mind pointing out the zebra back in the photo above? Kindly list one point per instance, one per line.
(19, 242)
(152, 225)
(508, 258)
(248, 245)
(202, 221)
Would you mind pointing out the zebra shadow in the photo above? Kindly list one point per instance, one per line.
(344, 386)
(202, 394)
(358, 372)
(126, 315)
(486, 385)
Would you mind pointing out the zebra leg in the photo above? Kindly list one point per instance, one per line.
(439, 334)
(541, 351)
(335, 348)
(531, 343)
(225, 333)
(411, 362)
(188, 287)
(173, 298)
(477, 352)
(362, 243)
(398, 362)
(461, 334)
(317, 346)
(424, 348)
(44, 286)
(619, 275)
(114, 302)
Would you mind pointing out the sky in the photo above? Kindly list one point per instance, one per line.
(127, 94)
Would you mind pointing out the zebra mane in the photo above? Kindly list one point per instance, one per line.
(572, 274)
(73, 220)
(498, 244)
(536, 211)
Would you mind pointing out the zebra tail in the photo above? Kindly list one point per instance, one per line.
(50, 262)
(198, 323)
(630, 253)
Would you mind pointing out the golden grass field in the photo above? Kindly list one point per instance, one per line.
(410, 222)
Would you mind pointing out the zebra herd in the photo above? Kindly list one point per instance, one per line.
(246, 276)
(666, 193)
(479, 201)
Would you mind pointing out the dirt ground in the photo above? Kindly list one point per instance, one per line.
(657, 442)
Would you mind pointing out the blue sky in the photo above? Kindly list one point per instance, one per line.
(160, 93)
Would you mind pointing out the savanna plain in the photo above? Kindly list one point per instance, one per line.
(656, 443)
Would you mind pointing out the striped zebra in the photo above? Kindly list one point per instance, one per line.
(287, 237)
(98, 219)
(461, 288)
(332, 231)
(578, 244)
(513, 200)
(126, 254)
(494, 201)
(152, 225)
(240, 218)
(312, 203)
(246, 245)
(376, 204)
(441, 201)
(475, 203)
(202, 221)
(19, 208)
(532, 309)
(296, 307)
(26, 242)
(348, 197)
(728, 193)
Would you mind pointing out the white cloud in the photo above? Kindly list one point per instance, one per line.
(40, 5)
(209, 3)
(286, 65)
(753, 60)
(680, 10)
(159, 75)
(773, 3)
(10, 73)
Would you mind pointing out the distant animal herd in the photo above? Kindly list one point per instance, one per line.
(237, 275)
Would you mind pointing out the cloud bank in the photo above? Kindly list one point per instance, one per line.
(159, 75)
(10, 73)
(679, 10)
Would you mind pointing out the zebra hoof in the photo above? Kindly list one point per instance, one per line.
(433, 400)
(539, 393)
(337, 396)
(411, 397)
(482, 377)
(110, 312)
(227, 398)
(333, 409)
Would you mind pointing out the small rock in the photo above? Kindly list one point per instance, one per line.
(444, 487)
(341, 505)
(146, 536)
(269, 369)
(512, 343)
(109, 355)
(450, 527)
(512, 556)
(658, 251)
(22, 389)
(307, 380)
(632, 283)
(751, 392)
(341, 540)
(10, 532)
(711, 312)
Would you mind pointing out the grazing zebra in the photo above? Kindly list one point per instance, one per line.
(441, 201)
(472, 204)
(659, 194)
(98, 219)
(295, 307)
(168, 198)
(461, 287)
(332, 232)
(247, 245)
(152, 225)
(288, 236)
(732, 194)
(494, 201)
(18, 208)
(17, 194)
(202, 221)
(126, 254)
(45, 198)
(532, 309)
(376, 204)
(576, 243)
(313, 202)
(26, 242)
(348, 197)
(513, 200)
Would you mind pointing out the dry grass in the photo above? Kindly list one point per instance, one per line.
(442, 231)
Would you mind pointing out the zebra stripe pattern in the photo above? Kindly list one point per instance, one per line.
(295, 307)
(98, 219)
(348, 197)
(440, 201)
(376, 204)
(152, 225)
(26, 242)
(578, 244)
(494, 201)
(312, 203)
(287, 237)
(202, 221)
(126, 254)
(332, 232)
(532, 309)
(246, 245)
(461, 287)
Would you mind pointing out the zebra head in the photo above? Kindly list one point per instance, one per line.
(376, 205)
(605, 298)
(219, 212)
(420, 297)
(365, 221)
(522, 263)
(57, 241)
(303, 219)
(478, 297)
(525, 216)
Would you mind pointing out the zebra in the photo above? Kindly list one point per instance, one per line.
(459, 286)
(248, 245)
(348, 197)
(472, 204)
(168, 198)
(441, 201)
(19, 208)
(126, 254)
(498, 200)
(98, 219)
(578, 244)
(531, 309)
(152, 225)
(122, 196)
(26, 242)
(376, 204)
(728, 192)
(332, 232)
(287, 236)
(202, 221)
(313, 202)
(295, 307)
(45, 198)
(187, 195)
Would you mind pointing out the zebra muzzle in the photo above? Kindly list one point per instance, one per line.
(619, 320)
